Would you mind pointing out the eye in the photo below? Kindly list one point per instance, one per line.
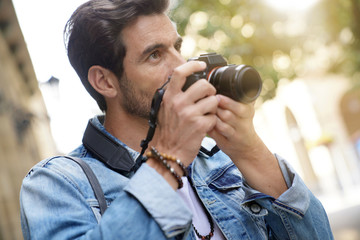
(155, 55)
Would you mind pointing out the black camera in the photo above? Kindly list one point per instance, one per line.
(239, 82)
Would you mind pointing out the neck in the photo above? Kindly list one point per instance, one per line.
(119, 123)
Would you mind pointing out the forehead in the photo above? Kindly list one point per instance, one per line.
(149, 30)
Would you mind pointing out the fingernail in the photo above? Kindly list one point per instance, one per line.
(202, 64)
(218, 98)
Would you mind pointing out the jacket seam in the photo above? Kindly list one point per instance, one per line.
(214, 177)
(284, 206)
(68, 179)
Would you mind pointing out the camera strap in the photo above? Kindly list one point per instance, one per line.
(107, 150)
(94, 182)
(155, 106)
(115, 155)
(112, 153)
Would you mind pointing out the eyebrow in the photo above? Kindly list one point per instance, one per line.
(151, 48)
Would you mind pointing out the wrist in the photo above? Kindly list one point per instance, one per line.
(160, 169)
(185, 155)
(173, 165)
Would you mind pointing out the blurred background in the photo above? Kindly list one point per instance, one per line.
(307, 53)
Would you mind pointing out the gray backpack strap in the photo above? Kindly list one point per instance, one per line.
(95, 185)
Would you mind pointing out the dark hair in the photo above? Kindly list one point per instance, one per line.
(92, 35)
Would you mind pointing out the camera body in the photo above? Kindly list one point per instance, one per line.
(239, 82)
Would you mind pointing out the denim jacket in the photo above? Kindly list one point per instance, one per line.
(57, 202)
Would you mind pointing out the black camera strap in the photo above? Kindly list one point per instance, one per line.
(107, 150)
(155, 106)
(112, 153)
(115, 155)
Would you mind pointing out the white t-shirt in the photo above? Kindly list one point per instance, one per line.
(200, 220)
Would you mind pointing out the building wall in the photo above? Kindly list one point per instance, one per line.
(24, 124)
(314, 138)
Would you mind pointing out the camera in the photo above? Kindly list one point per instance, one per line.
(239, 82)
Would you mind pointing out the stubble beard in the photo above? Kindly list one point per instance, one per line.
(136, 102)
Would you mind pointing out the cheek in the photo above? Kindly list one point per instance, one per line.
(146, 76)
(152, 78)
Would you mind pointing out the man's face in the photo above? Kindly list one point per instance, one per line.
(152, 52)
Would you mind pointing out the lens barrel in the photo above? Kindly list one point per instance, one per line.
(239, 82)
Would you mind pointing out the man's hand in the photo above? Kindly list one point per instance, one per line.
(234, 131)
(235, 135)
(185, 117)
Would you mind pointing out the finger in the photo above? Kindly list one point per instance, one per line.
(207, 105)
(214, 134)
(222, 130)
(199, 90)
(208, 123)
(181, 72)
(240, 109)
(226, 115)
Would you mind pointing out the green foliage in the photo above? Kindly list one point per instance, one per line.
(280, 45)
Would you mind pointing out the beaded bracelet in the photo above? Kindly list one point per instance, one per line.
(155, 154)
(171, 158)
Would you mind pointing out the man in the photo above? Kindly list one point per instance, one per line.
(123, 50)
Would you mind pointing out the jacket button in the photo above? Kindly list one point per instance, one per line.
(255, 208)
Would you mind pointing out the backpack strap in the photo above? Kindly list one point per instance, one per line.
(95, 185)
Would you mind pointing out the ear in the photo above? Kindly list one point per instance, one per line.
(103, 81)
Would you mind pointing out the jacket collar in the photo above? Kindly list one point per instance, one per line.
(116, 155)
(108, 149)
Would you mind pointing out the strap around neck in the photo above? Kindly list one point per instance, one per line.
(107, 150)
(113, 154)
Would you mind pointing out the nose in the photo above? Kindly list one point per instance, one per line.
(176, 59)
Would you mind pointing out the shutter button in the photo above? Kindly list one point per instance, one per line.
(255, 208)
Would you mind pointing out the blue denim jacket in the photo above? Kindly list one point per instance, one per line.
(57, 202)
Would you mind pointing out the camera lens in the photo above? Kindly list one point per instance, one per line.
(239, 82)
